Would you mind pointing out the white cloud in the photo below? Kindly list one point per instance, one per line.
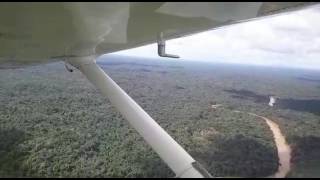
(292, 39)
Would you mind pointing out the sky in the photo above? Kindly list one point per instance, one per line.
(289, 40)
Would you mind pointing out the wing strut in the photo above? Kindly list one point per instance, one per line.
(161, 142)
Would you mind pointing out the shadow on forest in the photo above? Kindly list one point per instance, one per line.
(308, 79)
(306, 148)
(305, 157)
(304, 105)
(238, 156)
(10, 155)
(245, 94)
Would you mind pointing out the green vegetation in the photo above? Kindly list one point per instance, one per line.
(56, 124)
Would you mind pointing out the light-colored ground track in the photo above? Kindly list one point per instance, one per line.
(283, 148)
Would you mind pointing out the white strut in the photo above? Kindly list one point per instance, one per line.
(161, 142)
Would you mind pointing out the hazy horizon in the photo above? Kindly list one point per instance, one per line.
(106, 56)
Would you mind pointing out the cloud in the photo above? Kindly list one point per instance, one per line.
(292, 39)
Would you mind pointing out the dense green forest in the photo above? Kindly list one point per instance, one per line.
(56, 124)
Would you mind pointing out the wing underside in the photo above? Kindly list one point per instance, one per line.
(37, 32)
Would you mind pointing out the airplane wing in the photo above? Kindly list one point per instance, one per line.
(79, 32)
(41, 32)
